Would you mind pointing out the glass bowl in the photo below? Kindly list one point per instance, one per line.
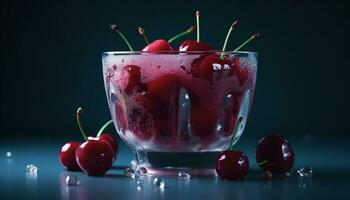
(176, 110)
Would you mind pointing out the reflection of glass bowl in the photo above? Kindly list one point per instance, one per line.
(174, 108)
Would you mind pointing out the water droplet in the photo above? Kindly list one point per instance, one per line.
(133, 164)
(305, 172)
(183, 104)
(183, 175)
(186, 96)
(139, 182)
(158, 182)
(287, 174)
(8, 154)
(229, 96)
(72, 180)
(123, 60)
(31, 169)
(139, 188)
(130, 172)
(219, 127)
(142, 171)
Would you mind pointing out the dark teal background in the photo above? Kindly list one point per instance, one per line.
(51, 63)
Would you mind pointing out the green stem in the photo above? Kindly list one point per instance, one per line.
(103, 128)
(255, 36)
(197, 21)
(189, 30)
(263, 162)
(240, 120)
(115, 28)
(226, 39)
(143, 33)
(79, 111)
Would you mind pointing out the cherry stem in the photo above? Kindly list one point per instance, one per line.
(143, 33)
(115, 29)
(103, 128)
(240, 120)
(79, 111)
(253, 37)
(189, 30)
(197, 21)
(234, 24)
(263, 162)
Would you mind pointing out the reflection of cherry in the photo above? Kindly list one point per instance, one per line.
(232, 165)
(274, 154)
(67, 156)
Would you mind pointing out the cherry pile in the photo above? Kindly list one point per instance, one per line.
(95, 156)
(152, 110)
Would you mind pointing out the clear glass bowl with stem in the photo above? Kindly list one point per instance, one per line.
(176, 110)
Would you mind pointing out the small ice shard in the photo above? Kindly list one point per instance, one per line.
(133, 164)
(142, 171)
(183, 175)
(158, 182)
(72, 180)
(305, 172)
(31, 169)
(8, 154)
(130, 172)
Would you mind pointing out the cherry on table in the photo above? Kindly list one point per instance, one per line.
(275, 154)
(94, 157)
(111, 140)
(67, 156)
(232, 165)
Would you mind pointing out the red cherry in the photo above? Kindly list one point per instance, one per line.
(67, 156)
(157, 46)
(193, 45)
(212, 67)
(232, 165)
(164, 87)
(94, 157)
(111, 140)
(203, 118)
(274, 154)
(129, 80)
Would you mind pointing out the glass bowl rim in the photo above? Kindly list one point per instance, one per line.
(238, 53)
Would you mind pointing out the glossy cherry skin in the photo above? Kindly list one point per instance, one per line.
(158, 45)
(232, 165)
(67, 156)
(278, 153)
(94, 157)
(193, 45)
(111, 140)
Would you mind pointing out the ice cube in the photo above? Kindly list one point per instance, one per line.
(183, 175)
(72, 180)
(158, 182)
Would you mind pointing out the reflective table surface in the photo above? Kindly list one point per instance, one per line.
(328, 158)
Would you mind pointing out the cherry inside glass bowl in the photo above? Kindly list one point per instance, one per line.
(176, 110)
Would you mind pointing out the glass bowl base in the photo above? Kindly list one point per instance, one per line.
(170, 163)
